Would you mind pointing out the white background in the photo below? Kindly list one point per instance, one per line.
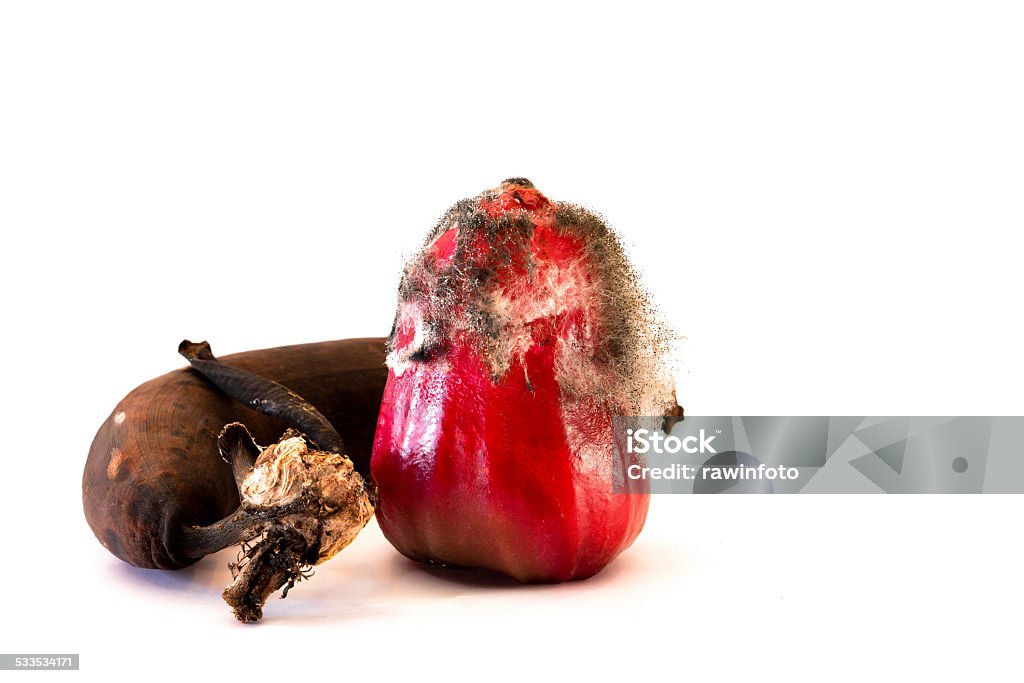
(824, 198)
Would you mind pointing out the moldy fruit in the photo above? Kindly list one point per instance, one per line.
(521, 331)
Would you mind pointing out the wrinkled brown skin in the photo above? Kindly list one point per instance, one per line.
(158, 471)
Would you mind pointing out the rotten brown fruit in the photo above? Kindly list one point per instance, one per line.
(166, 482)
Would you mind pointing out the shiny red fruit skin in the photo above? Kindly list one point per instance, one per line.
(510, 472)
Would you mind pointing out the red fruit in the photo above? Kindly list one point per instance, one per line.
(520, 332)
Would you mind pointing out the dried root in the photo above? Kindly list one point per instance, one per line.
(301, 498)
(299, 507)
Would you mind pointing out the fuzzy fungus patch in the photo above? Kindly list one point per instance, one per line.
(509, 270)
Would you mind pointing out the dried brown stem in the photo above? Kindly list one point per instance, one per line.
(264, 395)
(298, 507)
(299, 504)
